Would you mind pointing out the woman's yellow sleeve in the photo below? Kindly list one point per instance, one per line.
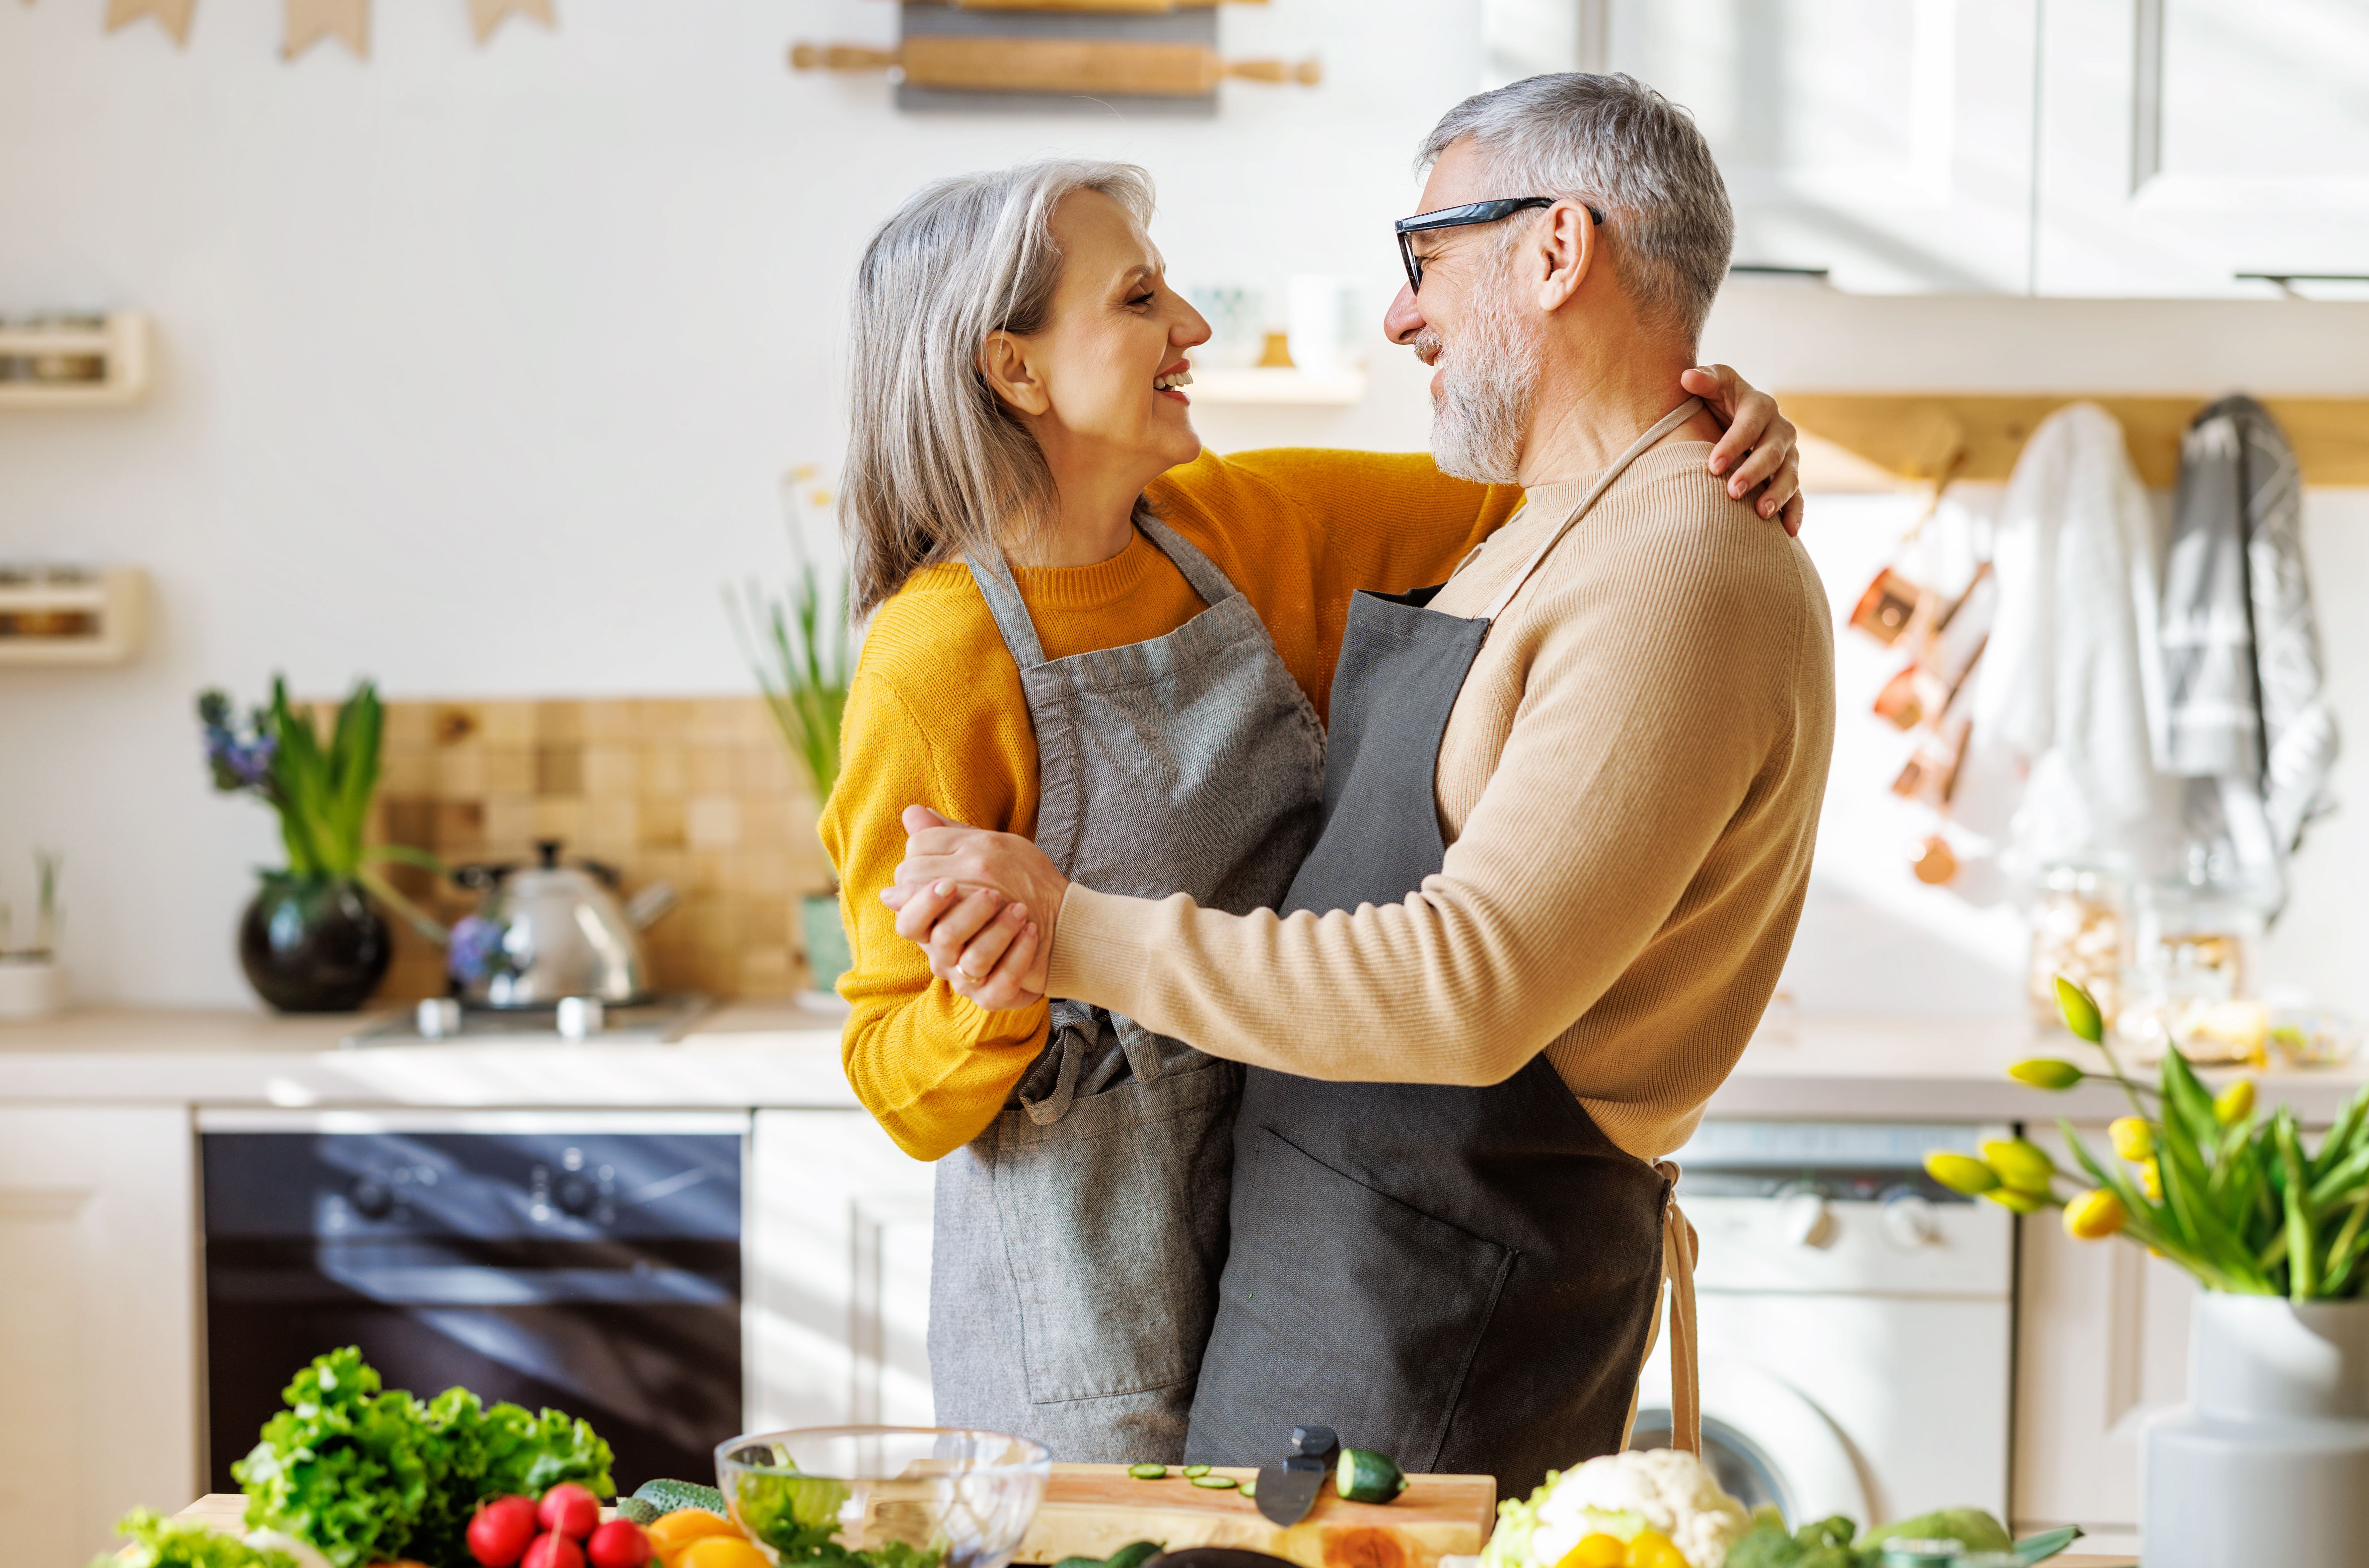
(932, 1068)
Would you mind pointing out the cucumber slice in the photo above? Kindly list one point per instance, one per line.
(1216, 1482)
(1368, 1477)
(1249, 1488)
(1147, 1471)
(1192, 1470)
(1135, 1554)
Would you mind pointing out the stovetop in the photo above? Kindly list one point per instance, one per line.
(662, 1020)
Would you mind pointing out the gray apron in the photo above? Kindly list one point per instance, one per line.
(1078, 1240)
(1464, 1279)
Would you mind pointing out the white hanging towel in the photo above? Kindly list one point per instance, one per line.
(2069, 691)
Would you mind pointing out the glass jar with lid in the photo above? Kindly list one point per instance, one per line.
(2081, 929)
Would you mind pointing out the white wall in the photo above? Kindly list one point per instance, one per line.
(478, 369)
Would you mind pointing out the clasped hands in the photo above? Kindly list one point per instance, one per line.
(982, 906)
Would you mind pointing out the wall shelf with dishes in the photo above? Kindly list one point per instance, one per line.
(61, 360)
(71, 614)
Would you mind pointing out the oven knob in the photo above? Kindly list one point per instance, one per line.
(370, 1201)
(576, 1194)
(1806, 1219)
(1908, 1223)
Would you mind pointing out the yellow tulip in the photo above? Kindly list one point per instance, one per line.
(2021, 1164)
(2151, 1180)
(2094, 1216)
(2045, 1072)
(2235, 1103)
(2134, 1139)
(1961, 1173)
(2081, 1011)
(2021, 1202)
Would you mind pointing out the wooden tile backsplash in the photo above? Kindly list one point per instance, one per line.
(694, 791)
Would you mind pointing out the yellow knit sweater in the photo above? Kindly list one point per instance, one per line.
(936, 717)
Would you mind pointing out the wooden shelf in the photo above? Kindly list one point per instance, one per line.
(1868, 440)
(121, 344)
(99, 618)
(1265, 385)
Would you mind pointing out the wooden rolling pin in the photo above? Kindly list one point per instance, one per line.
(1054, 66)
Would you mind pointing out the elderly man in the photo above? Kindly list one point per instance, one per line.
(1568, 819)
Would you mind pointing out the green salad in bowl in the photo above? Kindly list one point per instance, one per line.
(884, 1496)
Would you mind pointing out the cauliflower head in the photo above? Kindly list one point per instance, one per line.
(1621, 1494)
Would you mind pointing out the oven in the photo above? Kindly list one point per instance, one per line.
(585, 1261)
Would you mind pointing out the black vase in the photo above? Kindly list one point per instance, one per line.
(313, 944)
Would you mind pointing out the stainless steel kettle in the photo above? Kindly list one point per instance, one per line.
(562, 933)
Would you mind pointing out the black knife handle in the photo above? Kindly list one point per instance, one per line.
(1316, 1442)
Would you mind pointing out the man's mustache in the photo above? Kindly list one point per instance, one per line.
(1429, 346)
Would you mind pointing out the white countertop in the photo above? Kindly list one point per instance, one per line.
(1799, 1066)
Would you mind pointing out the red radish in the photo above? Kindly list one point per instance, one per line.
(552, 1550)
(567, 1509)
(620, 1543)
(499, 1531)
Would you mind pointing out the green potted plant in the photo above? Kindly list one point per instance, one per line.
(800, 648)
(309, 940)
(2269, 1461)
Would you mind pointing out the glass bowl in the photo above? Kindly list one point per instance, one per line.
(890, 1496)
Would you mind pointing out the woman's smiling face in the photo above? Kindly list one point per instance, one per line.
(1094, 385)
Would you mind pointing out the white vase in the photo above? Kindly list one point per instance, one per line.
(2269, 1461)
(31, 988)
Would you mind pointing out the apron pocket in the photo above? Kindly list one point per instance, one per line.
(1115, 1226)
(1342, 1304)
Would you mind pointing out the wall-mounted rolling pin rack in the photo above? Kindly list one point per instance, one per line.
(1155, 55)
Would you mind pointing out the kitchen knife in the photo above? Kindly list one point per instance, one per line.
(1287, 1491)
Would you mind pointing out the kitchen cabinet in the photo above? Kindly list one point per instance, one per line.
(2084, 147)
(2185, 142)
(836, 1277)
(1886, 143)
(2101, 1345)
(98, 1411)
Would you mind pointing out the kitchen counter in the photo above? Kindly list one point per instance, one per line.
(743, 1054)
(1828, 1065)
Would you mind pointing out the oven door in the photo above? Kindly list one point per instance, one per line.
(588, 1263)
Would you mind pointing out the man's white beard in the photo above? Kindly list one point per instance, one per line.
(1487, 393)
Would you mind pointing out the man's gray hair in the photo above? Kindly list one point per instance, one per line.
(938, 469)
(1616, 144)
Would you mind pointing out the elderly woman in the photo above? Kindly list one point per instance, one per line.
(1085, 631)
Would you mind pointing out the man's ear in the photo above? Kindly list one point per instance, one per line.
(1571, 242)
(1004, 362)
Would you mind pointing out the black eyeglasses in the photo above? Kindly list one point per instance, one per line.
(1462, 217)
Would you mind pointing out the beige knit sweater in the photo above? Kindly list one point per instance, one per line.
(1629, 788)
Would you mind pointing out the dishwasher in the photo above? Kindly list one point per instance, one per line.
(585, 1261)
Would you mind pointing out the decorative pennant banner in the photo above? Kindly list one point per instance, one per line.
(173, 15)
(310, 21)
(489, 14)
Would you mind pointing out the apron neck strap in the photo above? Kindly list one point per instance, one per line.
(1661, 427)
(1011, 611)
(997, 586)
(1212, 585)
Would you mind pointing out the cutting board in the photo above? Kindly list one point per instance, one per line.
(1093, 1510)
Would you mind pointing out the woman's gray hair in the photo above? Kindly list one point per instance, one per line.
(937, 468)
(1618, 144)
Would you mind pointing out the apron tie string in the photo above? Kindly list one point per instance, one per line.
(1678, 1240)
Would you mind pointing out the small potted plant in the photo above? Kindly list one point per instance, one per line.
(32, 982)
(310, 940)
(2269, 1462)
(799, 648)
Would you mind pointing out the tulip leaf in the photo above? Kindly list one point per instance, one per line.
(2303, 1275)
